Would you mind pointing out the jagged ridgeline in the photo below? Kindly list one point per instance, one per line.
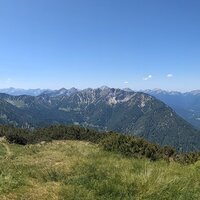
(106, 109)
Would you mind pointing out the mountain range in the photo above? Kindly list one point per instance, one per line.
(187, 104)
(18, 91)
(104, 108)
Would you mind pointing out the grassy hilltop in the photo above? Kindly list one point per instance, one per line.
(82, 170)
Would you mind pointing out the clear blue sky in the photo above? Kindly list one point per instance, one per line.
(88, 43)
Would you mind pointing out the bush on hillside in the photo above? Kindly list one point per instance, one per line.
(124, 144)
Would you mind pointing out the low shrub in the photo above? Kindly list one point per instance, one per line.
(127, 145)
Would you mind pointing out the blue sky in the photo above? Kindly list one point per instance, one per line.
(88, 43)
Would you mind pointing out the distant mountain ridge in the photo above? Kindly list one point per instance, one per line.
(187, 104)
(18, 91)
(62, 91)
(35, 92)
(105, 109)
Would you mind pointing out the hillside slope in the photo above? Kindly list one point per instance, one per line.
(187, 105)
(81, 170)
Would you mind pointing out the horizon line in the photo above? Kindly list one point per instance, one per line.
(124, 88)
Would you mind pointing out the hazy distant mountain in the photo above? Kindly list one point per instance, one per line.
(103, 108)
(127, 89)
(16, 91)
(36, 92)
(62, 91)
(187, 105)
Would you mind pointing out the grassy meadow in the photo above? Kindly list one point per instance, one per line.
(75, 170)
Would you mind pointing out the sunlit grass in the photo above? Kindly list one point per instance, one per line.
(81, 170)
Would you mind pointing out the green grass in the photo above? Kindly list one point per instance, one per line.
(75, 170)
